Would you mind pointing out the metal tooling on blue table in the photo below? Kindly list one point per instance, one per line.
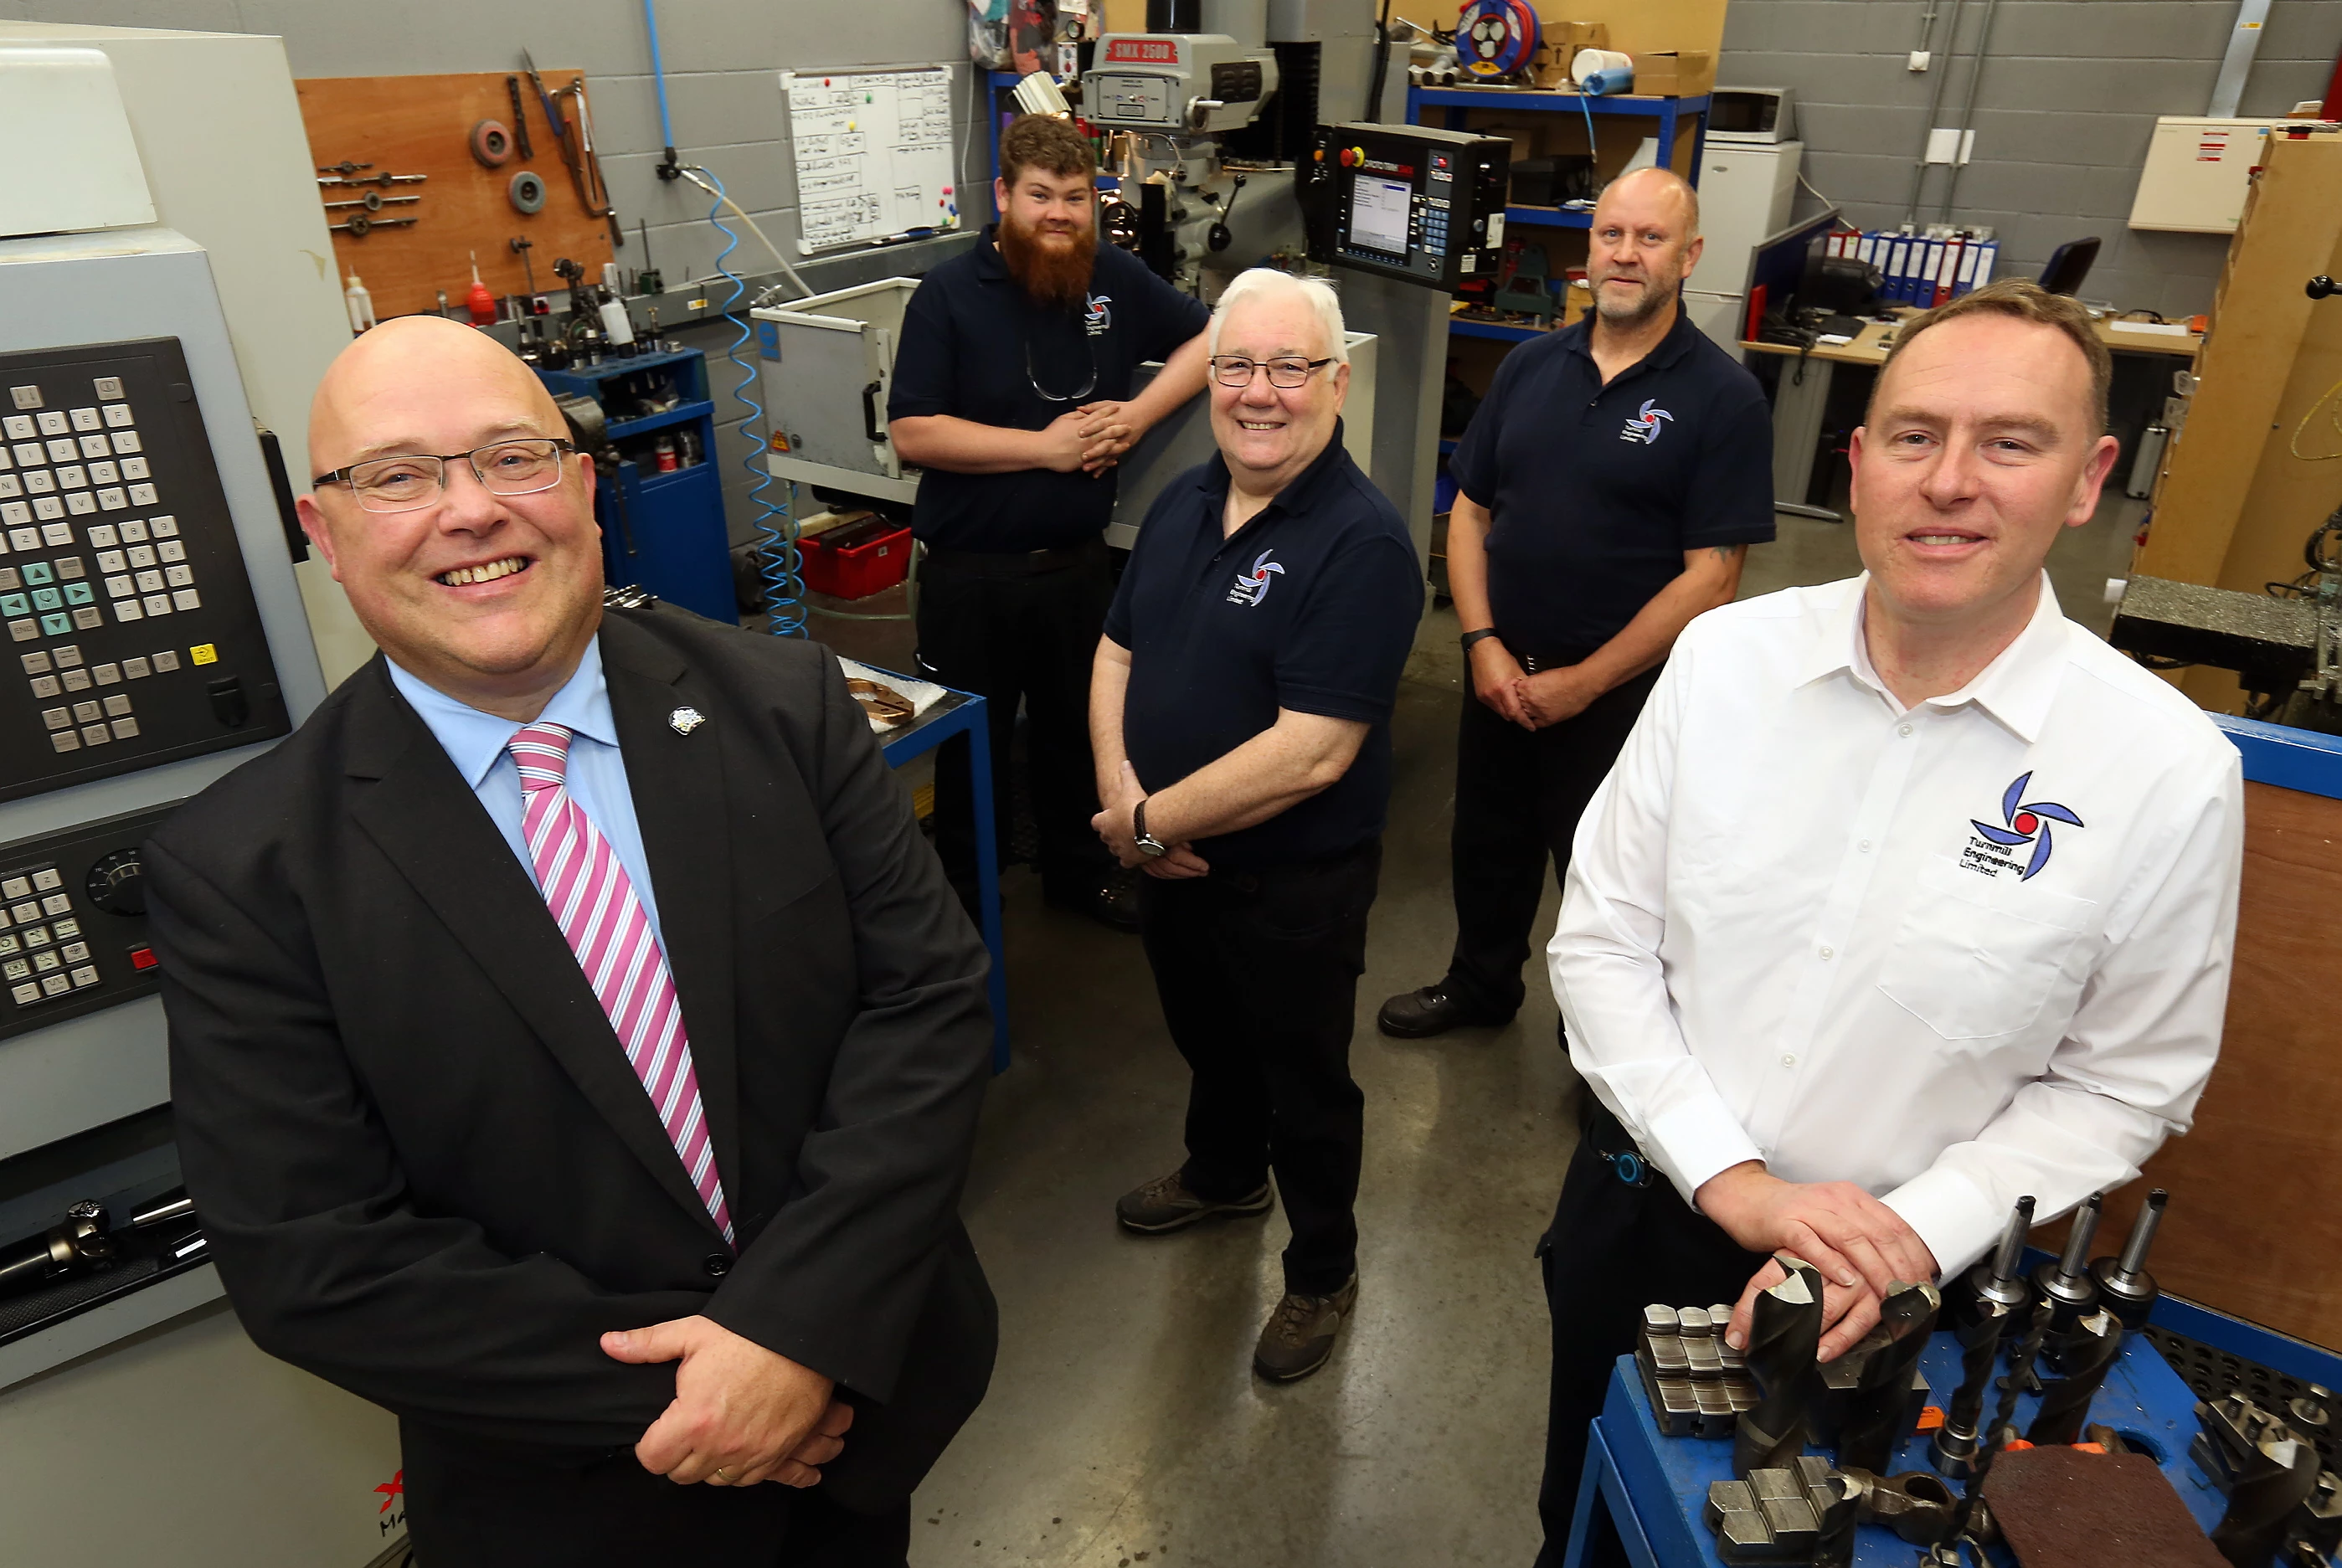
(1668, 1477)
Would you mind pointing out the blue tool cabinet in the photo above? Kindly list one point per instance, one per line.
(663, 531)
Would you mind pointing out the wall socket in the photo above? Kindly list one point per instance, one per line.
(1920, 60)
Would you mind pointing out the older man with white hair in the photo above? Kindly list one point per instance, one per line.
(1240, 715)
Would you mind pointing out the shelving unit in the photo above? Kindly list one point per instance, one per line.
(665, 532)
(1670, 114)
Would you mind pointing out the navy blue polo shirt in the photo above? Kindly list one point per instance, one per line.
(975, 346)
(1597, 492)
(1311, 605)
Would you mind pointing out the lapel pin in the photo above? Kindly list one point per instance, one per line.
(686, 720)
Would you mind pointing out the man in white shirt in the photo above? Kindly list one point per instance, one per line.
(1907, 896)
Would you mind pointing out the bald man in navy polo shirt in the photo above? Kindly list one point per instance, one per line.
(1608, 491)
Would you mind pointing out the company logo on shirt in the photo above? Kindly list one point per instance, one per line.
(1251, 587)
(2023, 824)
(1097, 319)
(1645, 426)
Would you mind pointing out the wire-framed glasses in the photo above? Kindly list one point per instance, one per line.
(1288, 372)
(402, 484)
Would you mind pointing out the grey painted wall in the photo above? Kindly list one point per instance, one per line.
(720, 56)
(2064, 107)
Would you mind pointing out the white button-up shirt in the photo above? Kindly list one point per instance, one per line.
(1954, 955)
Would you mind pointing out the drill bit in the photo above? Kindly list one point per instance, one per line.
(1783, 1335)
(2276, 1477)
(2066, 1404)
(2124, 1284)
(1882, 1398)
(2000, 1294)
(2066, 1283)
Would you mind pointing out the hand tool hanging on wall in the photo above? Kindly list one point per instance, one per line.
(576, 146)
(1783, 1335)
(2124, 1284)
(1999, 1295)
(519, 119)
(359, 226)
(374, 202)
(356, 179)
(491, 143)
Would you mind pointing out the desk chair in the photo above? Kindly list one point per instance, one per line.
(2070, 264)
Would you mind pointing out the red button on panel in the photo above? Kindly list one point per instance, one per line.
(143, 958)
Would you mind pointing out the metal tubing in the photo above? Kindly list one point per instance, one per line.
(2244, 43)
(2078, 1239)
(1968, 109)
(2142, 1235)
(1934, 101)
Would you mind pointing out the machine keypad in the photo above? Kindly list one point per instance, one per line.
(43, 957)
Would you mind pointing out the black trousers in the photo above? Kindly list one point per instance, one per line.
(1612, 1251)
(1258, 974)
(474, 1503)
(1518, 796)
(1014, 628)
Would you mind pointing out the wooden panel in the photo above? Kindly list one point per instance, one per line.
(2252, 1228)
(2291, 225)
(422, 126)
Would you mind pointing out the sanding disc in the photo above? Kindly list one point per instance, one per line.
(526, 192)
(491, 142)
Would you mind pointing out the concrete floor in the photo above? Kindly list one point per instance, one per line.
(1124, 1425)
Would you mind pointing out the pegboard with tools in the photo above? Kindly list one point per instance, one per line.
(443, 169)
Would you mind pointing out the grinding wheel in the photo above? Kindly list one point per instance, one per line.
(526, 192)
(491, 142)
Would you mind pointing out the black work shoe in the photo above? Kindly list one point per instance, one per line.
(1300, 1334)
(1111, 902)
(1165, 1204)
(1433, 1010)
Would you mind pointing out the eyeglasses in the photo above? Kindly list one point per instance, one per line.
(1286, 373)
(404, 483)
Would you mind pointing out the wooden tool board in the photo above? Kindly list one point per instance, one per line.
(422, 126)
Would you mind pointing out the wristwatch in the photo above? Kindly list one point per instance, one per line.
(1148, 844)
(1472, 637)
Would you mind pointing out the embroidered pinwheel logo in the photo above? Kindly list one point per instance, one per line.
(1645, 426)
(2027, 821)
(1251, 587)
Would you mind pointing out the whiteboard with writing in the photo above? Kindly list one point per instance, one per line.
(873, 153)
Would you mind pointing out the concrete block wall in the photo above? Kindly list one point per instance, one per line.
(721, 58)
(2065, 105)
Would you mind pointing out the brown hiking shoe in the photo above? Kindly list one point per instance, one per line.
(1300, 1334)
(1165, 1204)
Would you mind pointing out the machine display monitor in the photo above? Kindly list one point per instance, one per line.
(1411, 202)
(1379, 214)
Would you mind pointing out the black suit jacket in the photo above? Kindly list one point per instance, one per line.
(429, 1174)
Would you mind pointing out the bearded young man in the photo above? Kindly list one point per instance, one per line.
(1608, 491)
(1013, 391)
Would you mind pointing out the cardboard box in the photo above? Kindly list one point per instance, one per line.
(1674, 73)
(1559, 44)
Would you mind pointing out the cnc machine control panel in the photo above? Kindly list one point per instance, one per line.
(1413, 203)
(73, 921)
(128, 634)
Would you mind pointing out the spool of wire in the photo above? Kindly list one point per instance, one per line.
(1496, 38)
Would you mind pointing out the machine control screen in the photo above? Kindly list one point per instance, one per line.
(128, 634)
(73, 921)
(1379, 214)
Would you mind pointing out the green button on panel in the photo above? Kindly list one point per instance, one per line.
(56, 625)
(47, 599)
(79, 593)
(38, 573)
(14, 605)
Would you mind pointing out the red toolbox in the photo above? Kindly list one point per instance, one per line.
(858, 559)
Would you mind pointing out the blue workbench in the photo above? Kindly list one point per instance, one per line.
(956, 713)
(1653, 1487)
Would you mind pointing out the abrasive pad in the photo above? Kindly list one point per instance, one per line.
(2064, 1508)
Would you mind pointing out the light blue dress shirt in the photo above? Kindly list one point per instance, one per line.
(596, 777)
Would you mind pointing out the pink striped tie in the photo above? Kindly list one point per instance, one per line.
(593, 901)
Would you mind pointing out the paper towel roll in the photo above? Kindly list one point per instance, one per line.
(1586, 61)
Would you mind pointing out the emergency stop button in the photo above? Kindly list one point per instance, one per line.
(143, 958)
